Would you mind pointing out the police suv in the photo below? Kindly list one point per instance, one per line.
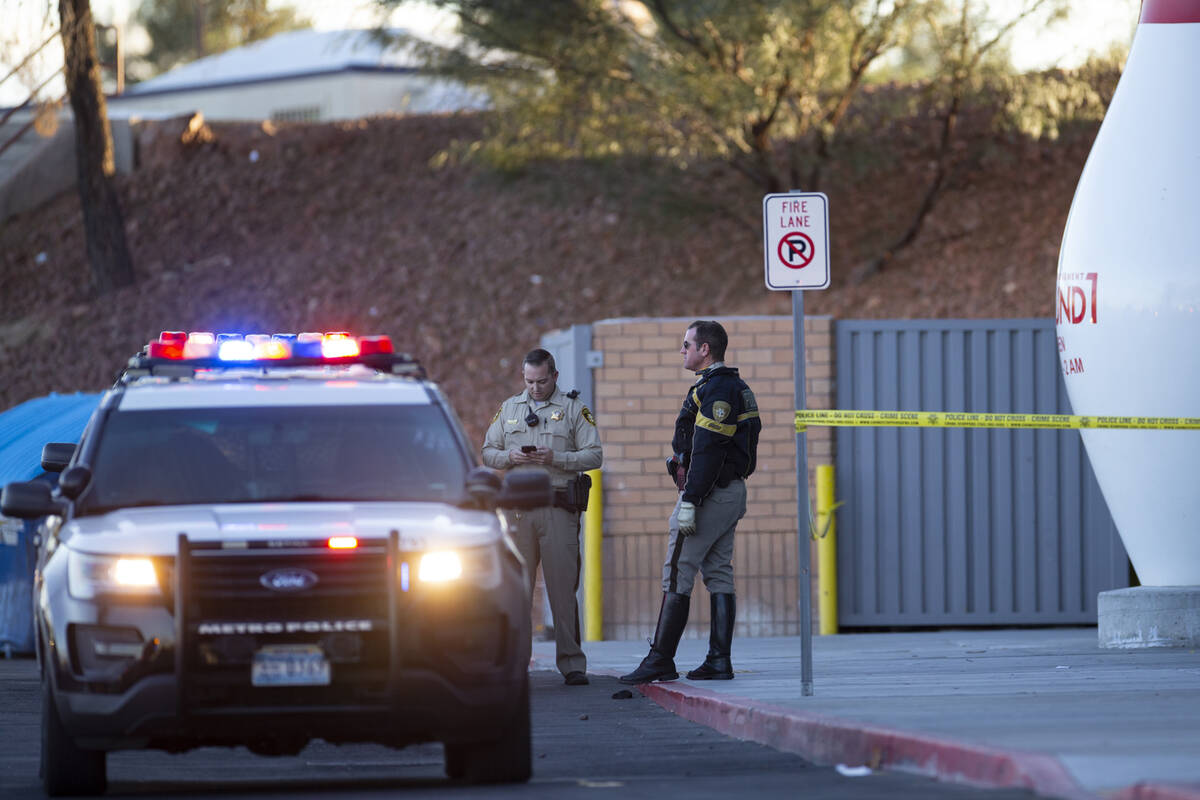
(263, 540)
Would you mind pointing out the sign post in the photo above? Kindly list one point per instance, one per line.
(796, 251)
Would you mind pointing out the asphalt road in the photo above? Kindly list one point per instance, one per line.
(586, 744)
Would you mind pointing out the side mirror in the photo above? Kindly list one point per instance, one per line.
(483, 486)
(29, 500)
(74, 480)
(56, 456)
(526, 489)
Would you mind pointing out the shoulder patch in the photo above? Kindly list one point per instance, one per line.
(498, 410)
(748, 401)
(588, 416)
(721, 410)
(573, 394)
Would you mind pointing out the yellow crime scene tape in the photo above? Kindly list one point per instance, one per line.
(945, 419)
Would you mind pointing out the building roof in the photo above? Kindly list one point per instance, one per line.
(28, 426)
(287, 55)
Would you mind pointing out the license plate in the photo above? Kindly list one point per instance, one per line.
(290, 665)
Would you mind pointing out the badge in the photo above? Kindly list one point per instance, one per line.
(588, 416)
(721, 410)
(556, 416)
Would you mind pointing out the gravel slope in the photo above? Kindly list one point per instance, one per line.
(350, 226)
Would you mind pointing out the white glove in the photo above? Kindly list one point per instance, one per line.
(687, 518)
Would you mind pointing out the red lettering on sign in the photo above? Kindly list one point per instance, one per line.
(1074, 303)
(1072, 366)
(1078, 305)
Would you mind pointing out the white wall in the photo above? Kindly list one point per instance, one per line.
(342, 95)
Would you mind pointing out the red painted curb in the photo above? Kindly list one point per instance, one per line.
(1159, 791)
(833, 741)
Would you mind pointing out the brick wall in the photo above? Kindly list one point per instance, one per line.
(638, 392)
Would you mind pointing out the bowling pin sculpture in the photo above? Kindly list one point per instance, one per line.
(1128, 295)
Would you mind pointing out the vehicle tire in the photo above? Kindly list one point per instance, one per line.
(66, 769)
(456, 765)
(508, 759)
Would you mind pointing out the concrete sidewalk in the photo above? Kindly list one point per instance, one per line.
(1045, 709)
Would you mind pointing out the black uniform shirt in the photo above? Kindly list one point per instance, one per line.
(716, 431)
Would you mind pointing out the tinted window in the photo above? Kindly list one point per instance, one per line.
(183, 456)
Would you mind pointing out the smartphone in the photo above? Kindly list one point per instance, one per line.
(529, 448)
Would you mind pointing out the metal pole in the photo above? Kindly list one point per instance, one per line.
(826, 551)
(120, 60)
(802, 513)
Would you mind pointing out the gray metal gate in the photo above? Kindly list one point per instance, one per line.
(951, 526)
(573, 356)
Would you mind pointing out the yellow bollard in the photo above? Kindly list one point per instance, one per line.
(826, 536)
(593, 585)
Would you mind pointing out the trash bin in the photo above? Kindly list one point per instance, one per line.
(24, 431)
(17, 560)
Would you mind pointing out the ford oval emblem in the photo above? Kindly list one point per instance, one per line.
(288, 580)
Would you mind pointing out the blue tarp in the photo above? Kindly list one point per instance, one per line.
(23, 431)
(25, 428)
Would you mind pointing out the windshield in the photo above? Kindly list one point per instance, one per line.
(238, 455)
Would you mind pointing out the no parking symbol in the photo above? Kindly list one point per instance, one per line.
(796, 250)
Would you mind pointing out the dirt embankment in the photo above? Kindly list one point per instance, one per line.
(349, 226)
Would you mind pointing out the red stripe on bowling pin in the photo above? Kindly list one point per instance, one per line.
(1159, 11)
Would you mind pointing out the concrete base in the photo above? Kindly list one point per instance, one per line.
(1150, 616)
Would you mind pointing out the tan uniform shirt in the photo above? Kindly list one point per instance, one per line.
(565, 425)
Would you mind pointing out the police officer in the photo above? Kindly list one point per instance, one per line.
(542, 426)
(715, 444)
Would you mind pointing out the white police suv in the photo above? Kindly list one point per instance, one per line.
(263, 540)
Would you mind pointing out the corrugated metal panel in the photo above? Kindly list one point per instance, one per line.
(570, 346)
(28, 426)
(956, 526)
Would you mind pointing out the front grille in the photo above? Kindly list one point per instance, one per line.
(339, 603)
(226, 584)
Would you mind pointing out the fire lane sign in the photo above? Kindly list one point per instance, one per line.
(796, 240)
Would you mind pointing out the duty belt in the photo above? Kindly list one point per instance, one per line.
(574, 496)
(562, 499)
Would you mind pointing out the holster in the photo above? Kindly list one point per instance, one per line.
(574, 497)
(677, 471)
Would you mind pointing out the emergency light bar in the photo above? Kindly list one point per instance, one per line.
(206, 350)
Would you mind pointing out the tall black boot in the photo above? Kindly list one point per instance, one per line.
(659, 664)
(716, 666)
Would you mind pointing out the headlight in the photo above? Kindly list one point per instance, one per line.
(439, 567)
(478, 566)
(90, 576)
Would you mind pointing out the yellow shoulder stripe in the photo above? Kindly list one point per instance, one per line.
(747, 415)
(714, 426)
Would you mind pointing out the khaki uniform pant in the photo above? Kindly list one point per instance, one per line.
(710, 549)
(551, 536)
